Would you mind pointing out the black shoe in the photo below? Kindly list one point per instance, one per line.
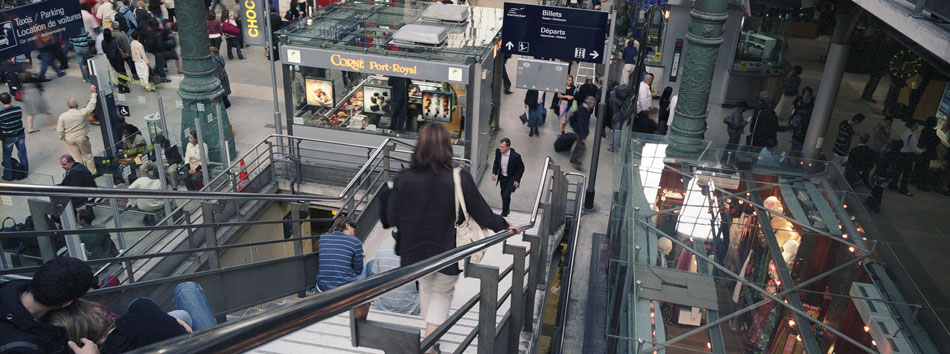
(504, 215)
(8, 179)
(530, 133)
(508, 92)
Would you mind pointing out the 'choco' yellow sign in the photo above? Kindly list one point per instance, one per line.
(253, 21)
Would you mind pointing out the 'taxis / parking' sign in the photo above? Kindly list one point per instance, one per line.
(554, 32)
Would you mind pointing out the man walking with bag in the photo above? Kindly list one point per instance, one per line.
(580, 122)
(507, 172)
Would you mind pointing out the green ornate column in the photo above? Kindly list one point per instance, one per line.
(706, 23)
(200, 91)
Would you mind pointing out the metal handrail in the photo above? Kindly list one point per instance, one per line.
(566, 283)
(239, 336)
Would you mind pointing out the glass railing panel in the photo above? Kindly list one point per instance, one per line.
(653, 202)
(14, 211)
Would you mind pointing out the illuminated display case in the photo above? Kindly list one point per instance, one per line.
(762, 45)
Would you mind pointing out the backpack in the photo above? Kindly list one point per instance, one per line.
(141, 18)
(126, 19)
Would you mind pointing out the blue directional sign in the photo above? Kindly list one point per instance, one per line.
(554, 32)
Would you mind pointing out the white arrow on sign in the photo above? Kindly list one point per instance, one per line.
(594, 54)
(510, 45)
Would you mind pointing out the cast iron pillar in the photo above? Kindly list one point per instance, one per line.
(706, 23)
(846, 16)
(200, 91)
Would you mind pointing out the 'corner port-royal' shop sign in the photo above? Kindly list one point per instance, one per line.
(375, 64)
(29, 27)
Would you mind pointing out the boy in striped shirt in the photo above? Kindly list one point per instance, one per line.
(341, 256)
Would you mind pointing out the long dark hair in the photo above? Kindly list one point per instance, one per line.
(434, 149)
(666, 96)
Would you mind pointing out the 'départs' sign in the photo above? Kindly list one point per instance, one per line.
(29, 27)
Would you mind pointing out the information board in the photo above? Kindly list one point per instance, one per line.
(554, 32)
(541, 75)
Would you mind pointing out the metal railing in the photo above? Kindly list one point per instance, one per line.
(239, 336)
(277, 157)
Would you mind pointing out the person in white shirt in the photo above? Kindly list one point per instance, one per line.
(141, 61)
(193, 159)
(669, 121)
(89, 21)
(149, 182)
(909, 154)
(105, 11)
(645, 95)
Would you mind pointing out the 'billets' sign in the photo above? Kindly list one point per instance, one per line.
(252, 23)
(29, 27)
(554, 32)
(375, 64)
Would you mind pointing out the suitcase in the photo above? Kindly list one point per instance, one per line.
(565, 142)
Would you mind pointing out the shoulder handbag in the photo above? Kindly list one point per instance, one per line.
(469, 230)
(230, 29)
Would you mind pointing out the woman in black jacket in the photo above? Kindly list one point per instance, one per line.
(421, 205)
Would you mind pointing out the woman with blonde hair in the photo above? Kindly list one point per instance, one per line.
(143, 323)
(422, 206)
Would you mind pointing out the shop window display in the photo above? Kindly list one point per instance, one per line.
(762, 44)
(364, 103)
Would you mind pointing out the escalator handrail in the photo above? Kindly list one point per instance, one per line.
(240, 336)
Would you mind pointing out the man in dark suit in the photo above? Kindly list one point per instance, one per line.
(507, 172)
(861, 160)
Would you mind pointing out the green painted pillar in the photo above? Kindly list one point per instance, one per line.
(201, 93)
(706, 23)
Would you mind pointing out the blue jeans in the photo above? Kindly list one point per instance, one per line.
(46, 60)
(732, 145)
(82, 54)
(797, 146)
(191, 299)
(365, 274)
(8, 143)
(232, 42)
(617, 126)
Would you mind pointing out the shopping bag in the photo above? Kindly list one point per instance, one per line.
(469, 230)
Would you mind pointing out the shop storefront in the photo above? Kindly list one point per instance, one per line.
(779, 248)
(359, 72)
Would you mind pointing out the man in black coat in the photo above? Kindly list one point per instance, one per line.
(77, 175)
(764, 125)
(55, 285)
(507, 172)
(927, 143)
(646, 121)
(861, 160)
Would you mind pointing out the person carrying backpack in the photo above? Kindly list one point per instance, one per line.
(142, 17)
(125, 17)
